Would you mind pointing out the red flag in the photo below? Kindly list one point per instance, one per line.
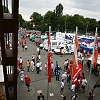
(95, 50)
(76, 72)
(49, 60)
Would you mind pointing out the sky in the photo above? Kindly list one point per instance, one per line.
(86, 8)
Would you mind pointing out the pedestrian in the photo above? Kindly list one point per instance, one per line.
(40, 97)
(28, 65)
(91, 94)
(57, 73)
(39, 57)
(84, 82)
(52, 68)
(27, 81)
(65, 63)
(25, 47)
(38, 67)
(75, 97)
(21, 74)
(21, 62)
(64, 77)
(61, 53)
(38, 50)
(72, 89)
(68, 78)
(46, 68)
(32, 65)
(61, 88)
(76, 85)
(33, 58)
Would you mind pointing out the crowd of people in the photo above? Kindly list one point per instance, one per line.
(35, 65)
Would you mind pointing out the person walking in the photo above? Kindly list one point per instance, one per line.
(91, 94)
(21, 62)
(84, 82)
(32, 65)
(64, 77)
(33, 58)
(21, 74)
(72, 90)
(75, 97)
(61, 87)
(27, 81)
(57, 73)
(38, 67)
(28, 65)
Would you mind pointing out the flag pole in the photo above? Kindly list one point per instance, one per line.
(47, 90)
(91, 64)
(72, 67)
(49, 47)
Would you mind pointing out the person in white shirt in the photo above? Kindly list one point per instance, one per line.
(38, 67)
(64, 76)
(21, 74)
(72, 90)
(38, 50)
(39, 57)
(32, 65)
(62, 87)
(25, 47)
(84, 82)
(46, 66)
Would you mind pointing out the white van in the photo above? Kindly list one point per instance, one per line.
(54, 44)
(66, 49)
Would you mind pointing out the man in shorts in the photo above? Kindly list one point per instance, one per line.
(27, 82)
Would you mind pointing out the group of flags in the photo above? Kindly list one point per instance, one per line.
(77, 67)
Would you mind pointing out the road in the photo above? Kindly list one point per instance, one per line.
(39, 81)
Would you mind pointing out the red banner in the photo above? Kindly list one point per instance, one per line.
(76, 72)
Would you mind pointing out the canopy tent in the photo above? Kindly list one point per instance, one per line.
(68, 37)
(84, 47)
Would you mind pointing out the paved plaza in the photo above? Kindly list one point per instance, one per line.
(40, 82)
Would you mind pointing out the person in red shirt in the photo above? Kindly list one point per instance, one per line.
(18, 63)
(60, 52)
(27, 81)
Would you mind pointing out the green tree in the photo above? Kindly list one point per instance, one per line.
(24, 24)
(21, 20)
(37, 19)
(59, 13)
